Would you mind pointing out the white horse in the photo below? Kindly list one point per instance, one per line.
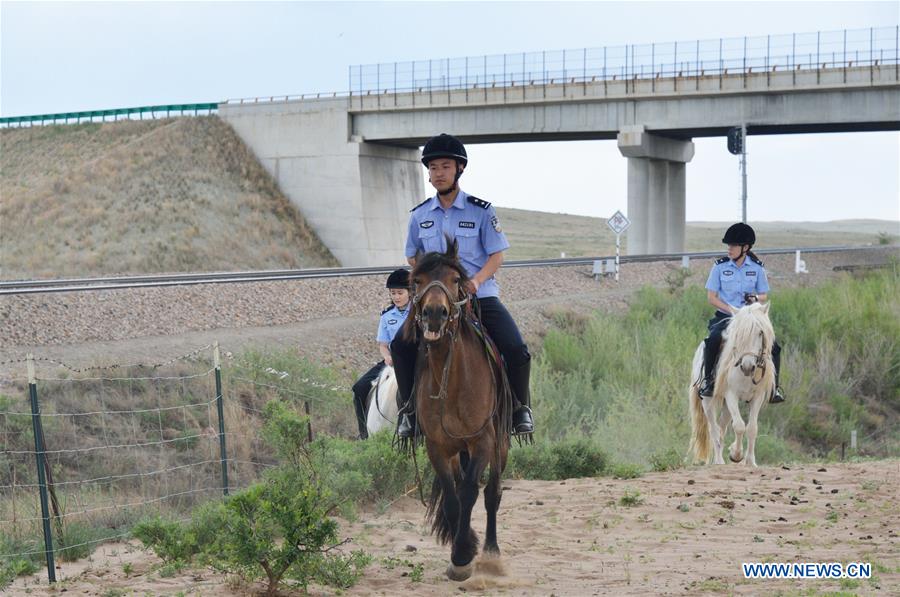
(383, 402)
(745, 373)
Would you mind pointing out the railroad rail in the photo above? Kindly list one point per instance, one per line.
(14, 287)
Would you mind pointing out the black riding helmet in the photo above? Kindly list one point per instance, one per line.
(739, 234)
(444, 146)
(399, 278)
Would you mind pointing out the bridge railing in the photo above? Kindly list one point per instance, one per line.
(164, 111)
(798, 51)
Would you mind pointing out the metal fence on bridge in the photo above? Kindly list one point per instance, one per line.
(875, 46)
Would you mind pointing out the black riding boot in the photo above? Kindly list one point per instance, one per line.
(404, 357)
(359, 404)
(519, 376)
(777, 395)
(710, 356)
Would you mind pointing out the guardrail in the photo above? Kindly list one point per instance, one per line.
(164, 111)
(124, 282)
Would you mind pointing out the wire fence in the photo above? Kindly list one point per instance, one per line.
(93, 450)
(875, 46)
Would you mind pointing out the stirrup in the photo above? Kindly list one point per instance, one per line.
(407, 426)
(525, 423)
(777, 396)
(707, 388)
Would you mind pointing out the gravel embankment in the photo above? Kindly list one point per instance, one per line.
(332, 320)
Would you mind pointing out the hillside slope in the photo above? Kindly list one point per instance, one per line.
(535, 235)
(138, 197)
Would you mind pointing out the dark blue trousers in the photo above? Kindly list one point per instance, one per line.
(360, 395)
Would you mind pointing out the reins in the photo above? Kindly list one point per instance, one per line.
(453, 334)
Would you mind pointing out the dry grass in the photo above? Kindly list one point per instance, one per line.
(537, 235)
(143, 197)
(186, 194)
(142, 440)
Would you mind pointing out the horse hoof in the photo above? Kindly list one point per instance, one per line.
(460, 573)
(735, 460)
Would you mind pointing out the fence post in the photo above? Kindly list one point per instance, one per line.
(309, 432)
(221, 409)
(40, 456)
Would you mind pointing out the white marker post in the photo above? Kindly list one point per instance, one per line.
(618, 223)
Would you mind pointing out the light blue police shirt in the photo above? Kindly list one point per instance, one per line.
(391, 320)
(731, 281)
(472, 221)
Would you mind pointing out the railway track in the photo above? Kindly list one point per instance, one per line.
(123, 282)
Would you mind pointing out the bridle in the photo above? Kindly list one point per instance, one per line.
(456, 311)
(760, 361)
(455, 306)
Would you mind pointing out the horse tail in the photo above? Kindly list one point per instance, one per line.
(440, 526)
(699, 426)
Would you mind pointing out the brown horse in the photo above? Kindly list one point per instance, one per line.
(465, 420)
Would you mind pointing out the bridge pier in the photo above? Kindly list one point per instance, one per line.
(656, 190)
(356, 196)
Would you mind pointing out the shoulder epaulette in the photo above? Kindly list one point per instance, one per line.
(388, 308)
(722, 260)
(479, 202)
(755, 260)
(420, 205)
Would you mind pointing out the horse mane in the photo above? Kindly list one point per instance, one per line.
(744, 326)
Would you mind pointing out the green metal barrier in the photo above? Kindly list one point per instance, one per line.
(115, 113)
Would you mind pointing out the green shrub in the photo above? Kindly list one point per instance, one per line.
(565, 459)
(280, 528)
(20, 565)
(626, 470)
(666, 460)
(365, 471)
(170, 540)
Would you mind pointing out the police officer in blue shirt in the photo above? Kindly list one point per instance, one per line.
(474, 225)
(734, 281)
(391, 319)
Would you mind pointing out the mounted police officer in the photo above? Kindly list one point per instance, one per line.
(391, 319)
(473, 223)
(734, 281)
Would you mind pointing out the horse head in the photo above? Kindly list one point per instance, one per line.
(753, 336)
(439, 292)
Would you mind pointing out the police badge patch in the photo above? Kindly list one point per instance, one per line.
(496, 224)
(427, 224)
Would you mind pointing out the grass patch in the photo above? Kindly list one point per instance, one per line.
(621, 381)
(631, 498)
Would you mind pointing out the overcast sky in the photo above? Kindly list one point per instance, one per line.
(57, 57)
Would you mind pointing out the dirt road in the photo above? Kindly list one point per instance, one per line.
(675, 533)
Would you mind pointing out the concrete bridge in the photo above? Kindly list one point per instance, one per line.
(351, 163)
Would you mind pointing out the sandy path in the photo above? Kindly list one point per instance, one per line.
(576, 538)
